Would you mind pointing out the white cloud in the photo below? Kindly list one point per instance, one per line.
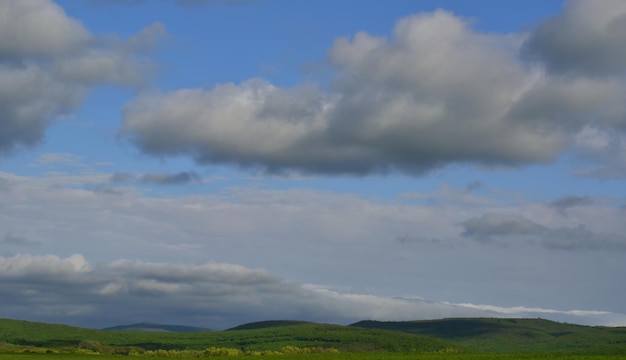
(48, 64)
(38, 28)
(435, 93)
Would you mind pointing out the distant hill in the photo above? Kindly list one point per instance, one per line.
(479, 335)
(149, 327)
(496, 335)
(266, 336)
(268, 324)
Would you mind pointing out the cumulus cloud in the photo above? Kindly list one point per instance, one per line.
(492, 227)
(48, 63)
(588, 38)
(215, 295)
(435, 93)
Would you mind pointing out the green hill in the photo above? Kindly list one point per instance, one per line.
(483, 335)
(269, 323)
(514, 335)
(149, 327)
(268, 337)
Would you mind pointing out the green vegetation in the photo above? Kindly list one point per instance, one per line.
(345, 356)
(487, 335)
(261, 337)
(455, 338)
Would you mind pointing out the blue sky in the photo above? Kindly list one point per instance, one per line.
(327, 161)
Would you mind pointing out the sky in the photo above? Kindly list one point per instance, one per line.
(217, 162)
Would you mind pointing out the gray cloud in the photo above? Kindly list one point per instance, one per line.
(48, 63)
(313, 237)
(170, 179)
(436, 93)
(604, 152)
(588, 38)
(566, 202)
(492, 227)
(119, 177)
(210, 294)
(5, 184)
(11, 239)
(215, 295)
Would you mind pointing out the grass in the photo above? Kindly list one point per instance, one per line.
(353, 356)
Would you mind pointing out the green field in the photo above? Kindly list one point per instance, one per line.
(352, 356)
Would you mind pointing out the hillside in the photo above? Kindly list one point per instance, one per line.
(268, 337)
(481, 335)
(513, 335)
(269, 323)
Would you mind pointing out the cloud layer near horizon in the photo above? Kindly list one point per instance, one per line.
(214, 295)
(444, 246)
(433, 94)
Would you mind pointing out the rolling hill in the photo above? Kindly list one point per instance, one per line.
(250, 337)
(513, 335)
(480, 335)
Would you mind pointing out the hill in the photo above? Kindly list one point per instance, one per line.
(513, 335)
(268, 324)
(149, 327)
(260, 338)
(482, 335)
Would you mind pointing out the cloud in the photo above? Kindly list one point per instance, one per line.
(570, 201)
(215, 295)
(120, 177)
(564, 203)
(588, 38)
(10, 239)
(48, 63)
(170, 179)
(148, 38)
(433, 94)
(492, 227)
(52, 159)
(489, 226)
(348, 243)
(603, 151)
